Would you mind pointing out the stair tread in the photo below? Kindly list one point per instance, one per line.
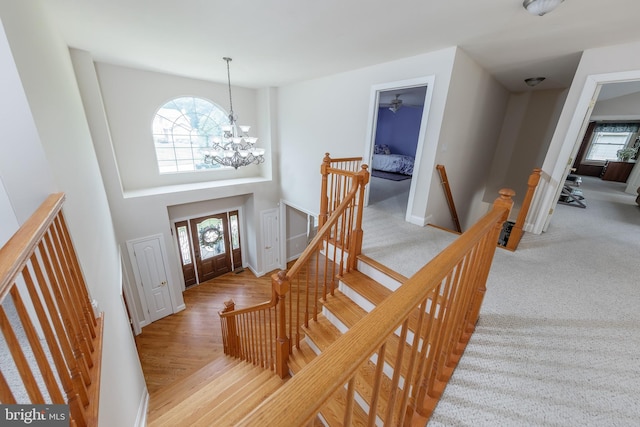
(349, 313)
(170, 395)
(373, 292)
(199, 400)
(364, 285)
(323, 333)
(239, 404)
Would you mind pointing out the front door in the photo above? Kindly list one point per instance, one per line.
(212, 251)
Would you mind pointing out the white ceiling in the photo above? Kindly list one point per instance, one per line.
(277, 42)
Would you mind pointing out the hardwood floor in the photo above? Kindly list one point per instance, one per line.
(178, 345)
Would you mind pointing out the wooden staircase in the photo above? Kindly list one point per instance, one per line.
(357, 295)
(226, 390)
(221, 393)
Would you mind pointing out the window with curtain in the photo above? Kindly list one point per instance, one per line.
(608, 138)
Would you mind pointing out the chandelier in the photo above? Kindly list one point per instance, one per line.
(235, 147)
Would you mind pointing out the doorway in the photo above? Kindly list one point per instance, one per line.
(209, 246)
(394, 151)
(395, 142)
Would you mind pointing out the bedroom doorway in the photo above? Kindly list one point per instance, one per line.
(397, 127)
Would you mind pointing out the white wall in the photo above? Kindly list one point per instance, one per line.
(131, 99)
(331, 114)
(526, 133)
(45, 71)
(24, 172)
(600, 65)
(475, 109)
(143, 210)
(625, 107)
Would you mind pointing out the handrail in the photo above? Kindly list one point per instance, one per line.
(39, 272)
(447, 193)
(263, 334)
(447, 293)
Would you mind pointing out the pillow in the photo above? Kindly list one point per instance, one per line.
(381, 149)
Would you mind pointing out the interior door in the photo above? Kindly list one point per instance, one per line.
(186, 255)
(270, 238)
(153, 277)
(211, 246)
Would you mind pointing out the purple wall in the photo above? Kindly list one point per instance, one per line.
(399, 130)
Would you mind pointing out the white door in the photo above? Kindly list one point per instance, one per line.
(153, 278)
(270, 240)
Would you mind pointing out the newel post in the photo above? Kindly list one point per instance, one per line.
(233, 342)
(324, 198)
(281, 286)
(516, 231)
(355, 247)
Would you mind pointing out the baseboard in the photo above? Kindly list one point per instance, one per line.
(141, 419)
(181, 307)
(253, 270)
(419, 220)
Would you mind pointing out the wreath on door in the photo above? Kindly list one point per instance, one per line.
(210, 236)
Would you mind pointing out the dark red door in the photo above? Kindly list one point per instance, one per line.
(210, 237)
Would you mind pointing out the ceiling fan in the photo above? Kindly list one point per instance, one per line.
(396, 104)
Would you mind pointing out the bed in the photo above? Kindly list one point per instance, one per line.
(385, 161)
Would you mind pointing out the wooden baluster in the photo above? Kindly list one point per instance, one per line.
(79, 345)
(59, 334)
(348, 411)
(78, 279)
(377, 383)
(281, 286)
(409, 377)
(6, 396)
(28, 380)
(517, 230)
(397, 371)
(36, 347)
(70, 294)
(419, 390)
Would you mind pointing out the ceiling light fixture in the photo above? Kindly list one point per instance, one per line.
(534, 81)
(540, 7)
(396, 104)
(235, 147)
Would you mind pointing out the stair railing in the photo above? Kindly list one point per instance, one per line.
(265, 334)
(441, 303)
(41, 274)
(336, 182)
(518, 228)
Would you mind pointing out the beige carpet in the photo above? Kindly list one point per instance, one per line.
(558, 341)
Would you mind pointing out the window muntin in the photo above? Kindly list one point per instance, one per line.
(182, 129)
(605, 145)
(607, 139)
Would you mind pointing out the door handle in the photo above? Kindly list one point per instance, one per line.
(163, 283)
(267, 247)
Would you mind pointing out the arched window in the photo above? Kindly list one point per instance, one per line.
(182, 129)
